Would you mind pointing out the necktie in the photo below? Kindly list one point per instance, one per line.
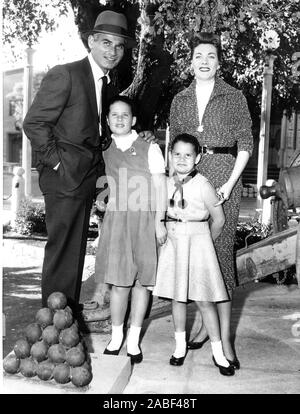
(102, 106)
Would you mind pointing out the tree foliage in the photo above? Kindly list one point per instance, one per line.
(25, 19)
(241, 25)
(160, 66)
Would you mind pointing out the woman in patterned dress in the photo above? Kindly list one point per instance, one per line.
(217, 114)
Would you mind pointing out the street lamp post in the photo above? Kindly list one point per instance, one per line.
(26, 147)
(270, 43)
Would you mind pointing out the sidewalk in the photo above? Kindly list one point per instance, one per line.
(265, 320)
(265, 324)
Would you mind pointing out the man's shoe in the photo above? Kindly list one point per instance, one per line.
(228, 371)
(135, 359)
(177, 361)
(192, 345)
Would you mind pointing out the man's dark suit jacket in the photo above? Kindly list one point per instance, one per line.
(63, 122)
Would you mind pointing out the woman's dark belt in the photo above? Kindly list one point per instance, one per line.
(219, 150)
(169, 218)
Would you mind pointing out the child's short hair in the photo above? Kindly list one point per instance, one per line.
(188, 139)
(125, 99)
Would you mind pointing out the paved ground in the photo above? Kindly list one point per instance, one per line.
(266, 326)
(22, 276)
(22, 267)
(266, 322)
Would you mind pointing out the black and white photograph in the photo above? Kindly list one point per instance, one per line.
(150, 238)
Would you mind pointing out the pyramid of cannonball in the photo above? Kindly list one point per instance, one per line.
(52, 347)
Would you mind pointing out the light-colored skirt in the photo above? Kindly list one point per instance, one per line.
(188, 267)
(127, 249)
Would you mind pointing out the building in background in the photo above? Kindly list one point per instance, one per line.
(290, 138)
(12, 116)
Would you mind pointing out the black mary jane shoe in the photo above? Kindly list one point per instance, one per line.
(235, 363)
(135, 359)
(114, 352)
(228, 371)
(108, 352)
(177, 362)
(192, 345)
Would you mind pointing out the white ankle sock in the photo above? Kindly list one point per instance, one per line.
(116, 337)
(133, 340)
(218, 354)
(180, 349)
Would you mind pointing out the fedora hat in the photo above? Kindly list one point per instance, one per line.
(110, 22)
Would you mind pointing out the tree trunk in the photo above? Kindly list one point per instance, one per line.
(153, 62)
(153, 68)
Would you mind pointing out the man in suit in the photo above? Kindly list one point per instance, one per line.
(66, 132)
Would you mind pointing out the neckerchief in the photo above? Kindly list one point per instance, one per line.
(182, 203)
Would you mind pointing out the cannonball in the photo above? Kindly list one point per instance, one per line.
(81, 376)
(33, 332)
(86, 365)
(61, 373)
(75, 357)
(74, 327)
(51, 335)
(22, 348)
(57, 353)
(62, 319)
(39, 351)
(45, 370)
(69, 337)
(11, 364)
(67, 308)
(28, 367)
(44, 317)
(81, 346)
(57, 300)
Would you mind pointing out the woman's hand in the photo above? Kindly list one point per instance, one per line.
(223, 193)
(161, 233)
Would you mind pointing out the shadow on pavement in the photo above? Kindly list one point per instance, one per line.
(21, 301)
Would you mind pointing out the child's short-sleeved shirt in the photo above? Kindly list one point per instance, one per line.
(194, 199)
